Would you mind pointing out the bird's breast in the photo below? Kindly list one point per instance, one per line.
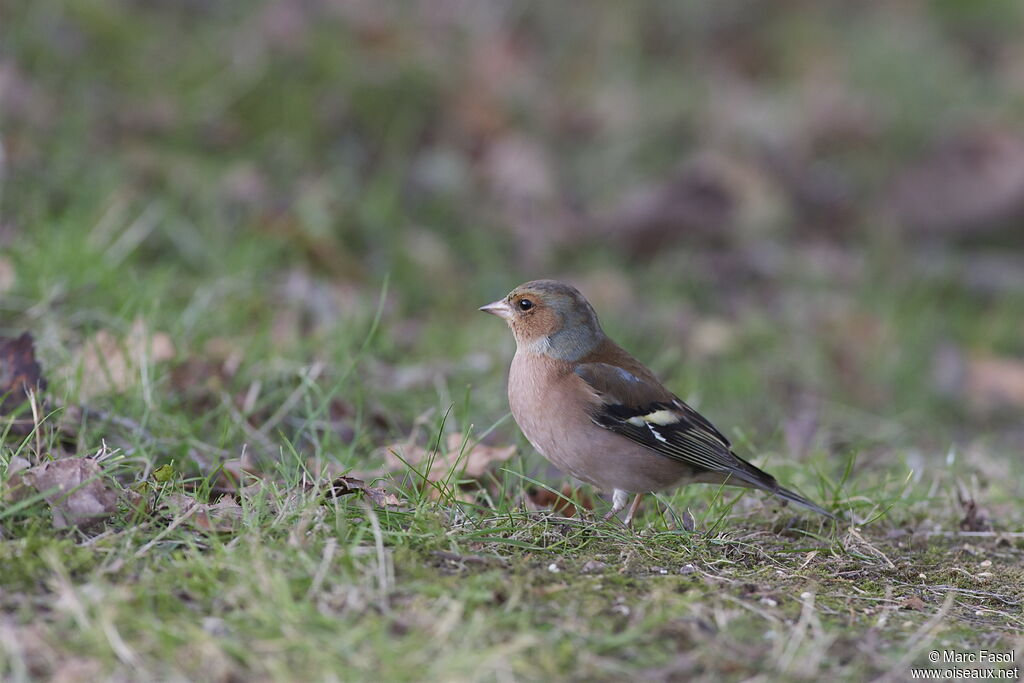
(550, 409)
(551, 406)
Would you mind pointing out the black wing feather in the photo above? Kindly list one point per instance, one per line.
(691, 439)
(684, 434)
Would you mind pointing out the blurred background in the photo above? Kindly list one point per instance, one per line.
(806, 215)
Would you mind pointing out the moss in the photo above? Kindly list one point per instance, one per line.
(29, 561)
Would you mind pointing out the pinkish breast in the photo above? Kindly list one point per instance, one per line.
(544, 395)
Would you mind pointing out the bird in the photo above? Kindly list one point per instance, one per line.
(598, 414)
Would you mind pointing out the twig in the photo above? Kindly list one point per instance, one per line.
(978, 594)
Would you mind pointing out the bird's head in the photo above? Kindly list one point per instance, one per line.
(551, 318)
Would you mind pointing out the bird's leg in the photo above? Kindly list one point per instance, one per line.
(619, 498)
(632, 510)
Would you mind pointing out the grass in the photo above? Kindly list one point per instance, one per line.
(306, 590)
(302, 201)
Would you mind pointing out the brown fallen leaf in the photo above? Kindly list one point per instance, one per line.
(76, 670)
(35, 647)
(473, 464)
(974, 519)
(687, 520)
(223, 516)
(344, 486)
(539, 498)
(968, 182)
(995, 382)
(912, 602)
(17, 488)
(136, 499)
(75, 489)
(110, 364)
(235, 473)
(201, 378)
(19, 372)
(698, 203)
(987, 383)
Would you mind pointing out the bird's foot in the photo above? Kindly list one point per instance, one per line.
(628, 521)
(619, 498)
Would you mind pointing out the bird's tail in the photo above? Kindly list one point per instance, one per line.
(786, 494)
(754, 477)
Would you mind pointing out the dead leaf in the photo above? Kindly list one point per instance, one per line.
(110, 364)
(17, 489)
(987, 383)
(17, 464)
(912, 602)
(209, 372)
(77, 670)
(223, 516)
(480, 457)
(235, 473)
(968, 182)
(33, 647)
(344, 486)
(569, 504)
(688, 522)
(995, 382)
(473, 464)
(135, 500)
(700, 202)
(974, 518)
(75, 489)
(19, 372)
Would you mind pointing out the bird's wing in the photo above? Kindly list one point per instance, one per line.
(646, 412)
(634, 404)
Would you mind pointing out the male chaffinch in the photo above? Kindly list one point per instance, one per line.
(597, 413)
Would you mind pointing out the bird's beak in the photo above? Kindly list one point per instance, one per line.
(499, 308)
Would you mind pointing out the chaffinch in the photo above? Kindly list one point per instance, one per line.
(597, 413)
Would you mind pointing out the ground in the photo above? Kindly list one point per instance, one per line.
(248, 242)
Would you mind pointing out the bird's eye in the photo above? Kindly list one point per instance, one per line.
(525, 304)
